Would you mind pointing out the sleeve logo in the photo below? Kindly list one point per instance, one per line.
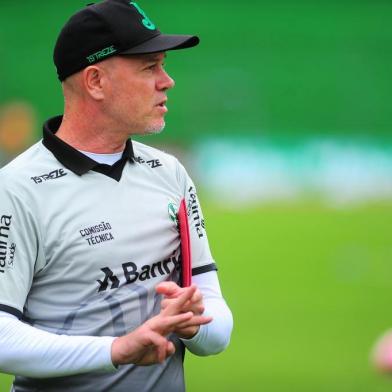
(194, 212)
(5, 225)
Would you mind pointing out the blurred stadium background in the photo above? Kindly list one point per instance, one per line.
(283, 116)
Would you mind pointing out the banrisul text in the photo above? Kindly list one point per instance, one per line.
(132, 273)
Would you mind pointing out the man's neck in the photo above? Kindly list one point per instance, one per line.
(92, 136)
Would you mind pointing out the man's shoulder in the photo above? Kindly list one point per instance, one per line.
(24, 165)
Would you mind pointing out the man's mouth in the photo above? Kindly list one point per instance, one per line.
(162, 106)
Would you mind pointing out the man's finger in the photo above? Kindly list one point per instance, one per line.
(170, 349)
(165, 303)
(166, 324)
(176, 305)
(188, 306)
(160, 344)
(198, 309)
(168, 289)
(195, 321)
(197, 297)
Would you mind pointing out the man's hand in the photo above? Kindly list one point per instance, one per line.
(147, 344)
(171, 292)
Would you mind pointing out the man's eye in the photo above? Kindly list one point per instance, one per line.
(154, 66)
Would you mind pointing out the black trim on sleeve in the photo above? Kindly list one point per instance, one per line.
(10, 310)
(204, 268)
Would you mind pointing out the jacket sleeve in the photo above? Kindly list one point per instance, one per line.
(20, 248)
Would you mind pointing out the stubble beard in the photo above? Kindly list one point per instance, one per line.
(154, 129)
(150, 130)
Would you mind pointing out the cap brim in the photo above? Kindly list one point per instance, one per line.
(162, 43)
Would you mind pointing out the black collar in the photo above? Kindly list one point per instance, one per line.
(76, 161)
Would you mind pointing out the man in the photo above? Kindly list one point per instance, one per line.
(89, 237)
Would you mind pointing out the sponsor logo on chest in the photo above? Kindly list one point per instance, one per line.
(131, 273)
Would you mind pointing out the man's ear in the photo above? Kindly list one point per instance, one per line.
(93, 78)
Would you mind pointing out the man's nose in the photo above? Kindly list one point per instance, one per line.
(165, 82)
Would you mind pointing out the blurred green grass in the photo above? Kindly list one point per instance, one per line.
(309, 287)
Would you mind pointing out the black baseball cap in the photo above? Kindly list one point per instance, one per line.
(110, 28)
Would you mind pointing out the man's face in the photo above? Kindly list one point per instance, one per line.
(136, 92)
